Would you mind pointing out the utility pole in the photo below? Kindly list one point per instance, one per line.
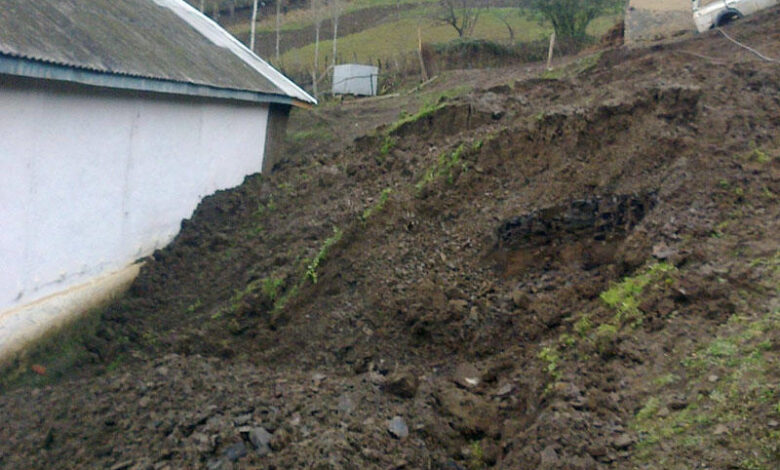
(253, 27)
(317, 26)
(278, 27)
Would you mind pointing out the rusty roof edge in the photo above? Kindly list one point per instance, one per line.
(30, 68)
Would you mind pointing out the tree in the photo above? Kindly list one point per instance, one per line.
(570, 18)
(336, 12)
(462, 15)
(504, 16)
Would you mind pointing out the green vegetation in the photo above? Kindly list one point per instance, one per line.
(604, 338)
(625, 296)
(387, 145)
(583, 326)
(311, 269)
(551, 356)
(265, 209)
(304, 17)
(238, 298)
(282, 300)
(445, 165)
(760, 155)
(321, 134)
(572, 69)
(650, 409)
(571, 19)
(271, 287)
(397, 38)
(667, 379)
(384, 150)
(377, 207)
(430, 104)
(55, 355)
(425, 110)
(770, 262)
(476, 456)
(193, 307)
(744, 389)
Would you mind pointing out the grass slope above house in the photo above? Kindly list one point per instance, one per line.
(302, 18)
(399, 37)
(394, 35)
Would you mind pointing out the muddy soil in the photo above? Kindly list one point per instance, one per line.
(436, 289)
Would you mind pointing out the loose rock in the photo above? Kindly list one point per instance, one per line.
(346, 405)
(261, 440)
(467, 376)
(398, 428)
(403, 384)
(623, 441)
(235, 452)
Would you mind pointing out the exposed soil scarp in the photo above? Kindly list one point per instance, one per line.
(586, 232)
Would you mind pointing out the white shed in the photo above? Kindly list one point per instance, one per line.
(355, 79)
(116, 119)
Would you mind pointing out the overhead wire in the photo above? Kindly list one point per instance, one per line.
(762, 56)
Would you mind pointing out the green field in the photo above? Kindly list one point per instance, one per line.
(302, 18)
(399, 37)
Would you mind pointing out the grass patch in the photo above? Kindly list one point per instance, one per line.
(54, 356)
(551, 357)
(732, 412)
(388, 143)
(583, 326)
(316, 134)
(761, 156)
(265, 209)
(625, 296)
(425, 110)
(271, 287)
(445, 166)
(311, 270)
(303, 17)
(387, 146)
(573, 69)
(377, 207)
(399, 37)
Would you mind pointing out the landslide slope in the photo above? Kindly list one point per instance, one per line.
(576, 269)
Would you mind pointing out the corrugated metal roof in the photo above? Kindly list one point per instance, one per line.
(163, 40)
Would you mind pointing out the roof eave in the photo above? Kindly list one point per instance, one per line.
(24, 67)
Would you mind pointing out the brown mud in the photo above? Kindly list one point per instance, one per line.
(576, 271)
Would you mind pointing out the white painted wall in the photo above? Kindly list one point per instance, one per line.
(91, 181)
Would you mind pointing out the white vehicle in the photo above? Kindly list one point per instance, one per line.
(708, 14)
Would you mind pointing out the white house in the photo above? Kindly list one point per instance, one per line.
(116, 118)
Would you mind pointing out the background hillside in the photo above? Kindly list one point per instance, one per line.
(382, 32)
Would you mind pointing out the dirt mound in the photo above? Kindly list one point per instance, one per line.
(578, 270)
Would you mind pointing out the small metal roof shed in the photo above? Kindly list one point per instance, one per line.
(163, 46)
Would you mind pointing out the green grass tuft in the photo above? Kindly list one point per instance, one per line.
(311, 269)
